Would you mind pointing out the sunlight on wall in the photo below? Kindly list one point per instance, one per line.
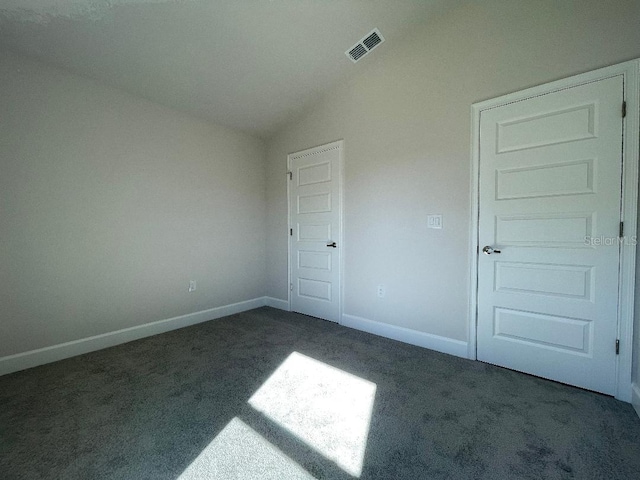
(238, 451)
(327, 408)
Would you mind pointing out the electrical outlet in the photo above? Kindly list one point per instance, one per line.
(380, 291)
(192, 286)
(434, 221)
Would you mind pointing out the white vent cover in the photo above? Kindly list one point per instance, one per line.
(364, 46)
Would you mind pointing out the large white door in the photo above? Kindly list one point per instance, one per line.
(549, 207)
(314, 212)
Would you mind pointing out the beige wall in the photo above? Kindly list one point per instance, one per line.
(109, 205)
(405, 120)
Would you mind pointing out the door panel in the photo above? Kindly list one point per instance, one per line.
(550, 183)
(314, 209)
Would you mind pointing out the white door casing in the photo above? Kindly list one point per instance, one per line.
(315, 222)
(547, 174)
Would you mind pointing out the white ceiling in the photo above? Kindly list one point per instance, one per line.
(247, 64)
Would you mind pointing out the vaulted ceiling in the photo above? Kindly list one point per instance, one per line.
(247, 64)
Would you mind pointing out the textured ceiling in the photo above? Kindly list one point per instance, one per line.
(247, 64)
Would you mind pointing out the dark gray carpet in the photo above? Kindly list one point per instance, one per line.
(177, 405)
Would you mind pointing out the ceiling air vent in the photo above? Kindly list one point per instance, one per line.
(364, 46)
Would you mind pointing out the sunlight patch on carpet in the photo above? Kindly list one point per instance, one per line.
(238, 451)
(325, 407)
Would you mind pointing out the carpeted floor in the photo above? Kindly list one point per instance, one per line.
(271, 394)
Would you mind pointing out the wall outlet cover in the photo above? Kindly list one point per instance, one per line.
(434, 221)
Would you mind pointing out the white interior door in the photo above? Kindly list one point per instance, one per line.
(315, 223)
(549, 207)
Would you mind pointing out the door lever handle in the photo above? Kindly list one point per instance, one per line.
(487, 250)
(332, 244)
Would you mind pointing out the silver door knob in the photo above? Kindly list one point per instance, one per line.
(487, 250)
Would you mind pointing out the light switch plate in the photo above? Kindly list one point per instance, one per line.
(434, 221)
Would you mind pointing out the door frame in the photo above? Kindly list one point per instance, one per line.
(630, 72)
(339, 144)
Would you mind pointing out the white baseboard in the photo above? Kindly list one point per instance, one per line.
(635, 397)
(33, 358)
(276, 303)
(406, 335)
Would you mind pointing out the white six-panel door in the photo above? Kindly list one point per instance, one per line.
(315, 236)
(549, 207)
